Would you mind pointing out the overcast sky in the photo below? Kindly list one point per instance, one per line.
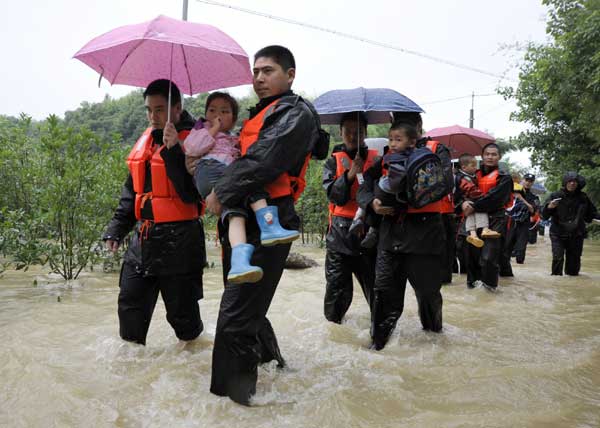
(39, 39)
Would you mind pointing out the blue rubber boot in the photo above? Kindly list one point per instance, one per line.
(271, 232)
(241, 269)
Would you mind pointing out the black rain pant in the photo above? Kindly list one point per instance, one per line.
(516, 241)
(572, 247)
(244, 337)
(138, 295)
(484, 263)
(339, 268)
(449, 251)
(393, 270)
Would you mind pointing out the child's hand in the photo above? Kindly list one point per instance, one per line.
(216, 126)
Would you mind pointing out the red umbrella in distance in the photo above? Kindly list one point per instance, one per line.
(461, 140)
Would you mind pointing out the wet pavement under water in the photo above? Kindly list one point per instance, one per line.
(527, 356)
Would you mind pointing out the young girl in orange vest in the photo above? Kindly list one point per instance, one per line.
(212, 139)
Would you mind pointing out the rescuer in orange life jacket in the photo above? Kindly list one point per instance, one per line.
(276, 142)
(483, 264)
(345, 256)
(166, 253)
(411, 245)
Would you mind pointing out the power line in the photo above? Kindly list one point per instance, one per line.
(458, 98)
(354, 37)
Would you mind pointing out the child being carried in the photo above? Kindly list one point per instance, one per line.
(470, 189)
(213, 141)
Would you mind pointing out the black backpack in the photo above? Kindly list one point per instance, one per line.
(425, 179)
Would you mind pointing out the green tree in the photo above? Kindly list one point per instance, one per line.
(67, 181)
(558, 93)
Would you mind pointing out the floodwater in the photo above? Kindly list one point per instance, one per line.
(527, 356)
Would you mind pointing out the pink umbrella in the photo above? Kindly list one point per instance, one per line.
(197, 57)
(461, 140)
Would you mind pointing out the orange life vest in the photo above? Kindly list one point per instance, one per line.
(349, 209)
(167, 206)
(444, 205)
(488, 182)
(285, 184)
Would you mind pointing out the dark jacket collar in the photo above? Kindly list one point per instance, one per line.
(266, 101)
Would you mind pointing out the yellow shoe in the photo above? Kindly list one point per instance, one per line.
(490, 234)
(475, 241)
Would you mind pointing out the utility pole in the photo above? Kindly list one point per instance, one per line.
(185, 8)
(472, 116)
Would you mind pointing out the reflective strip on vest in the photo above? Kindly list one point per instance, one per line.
(349, 209)
(167, 206)
(284, 185)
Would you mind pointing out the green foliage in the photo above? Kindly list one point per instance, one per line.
(559, 93)
(312, 205)
(58, 192)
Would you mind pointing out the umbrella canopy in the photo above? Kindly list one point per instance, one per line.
(196, 57)
(538, 189)
(377, 103)
(461, 140)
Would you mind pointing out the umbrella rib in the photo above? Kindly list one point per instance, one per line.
(125, 59)
(185, 66)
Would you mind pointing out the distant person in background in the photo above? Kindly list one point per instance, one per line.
(569, 209)
(526, 205)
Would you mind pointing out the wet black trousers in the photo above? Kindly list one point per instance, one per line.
(244, 337)
(138, 295)
(483, 264)
(393, 269)
(534, 229)
(572, 247)
(449, 251)
(516, 241)
(339, 269)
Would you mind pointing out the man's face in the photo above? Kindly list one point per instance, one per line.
(156, 111)
(571, 185)
(270, 79)
(352, 134)
(528, 183)
(491, 157)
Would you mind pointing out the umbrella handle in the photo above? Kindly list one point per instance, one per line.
(170, 81)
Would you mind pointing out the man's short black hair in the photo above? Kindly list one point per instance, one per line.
(281, 55)
(465, 159)
(354, 116)
(161, 87)
(491, 145)
(225, 96)
(408, 128)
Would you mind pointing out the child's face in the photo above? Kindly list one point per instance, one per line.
(220, 107)
(470, 167)
(399, 141)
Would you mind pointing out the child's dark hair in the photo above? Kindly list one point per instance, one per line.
(235, 108)
(465, 159)
(409, 129)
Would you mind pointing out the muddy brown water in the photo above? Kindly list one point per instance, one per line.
(528, 356)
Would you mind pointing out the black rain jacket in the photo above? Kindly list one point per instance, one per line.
(573, 211)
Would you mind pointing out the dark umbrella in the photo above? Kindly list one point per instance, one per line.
(376, 103)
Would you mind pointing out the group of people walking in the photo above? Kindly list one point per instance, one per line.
(392, 218)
